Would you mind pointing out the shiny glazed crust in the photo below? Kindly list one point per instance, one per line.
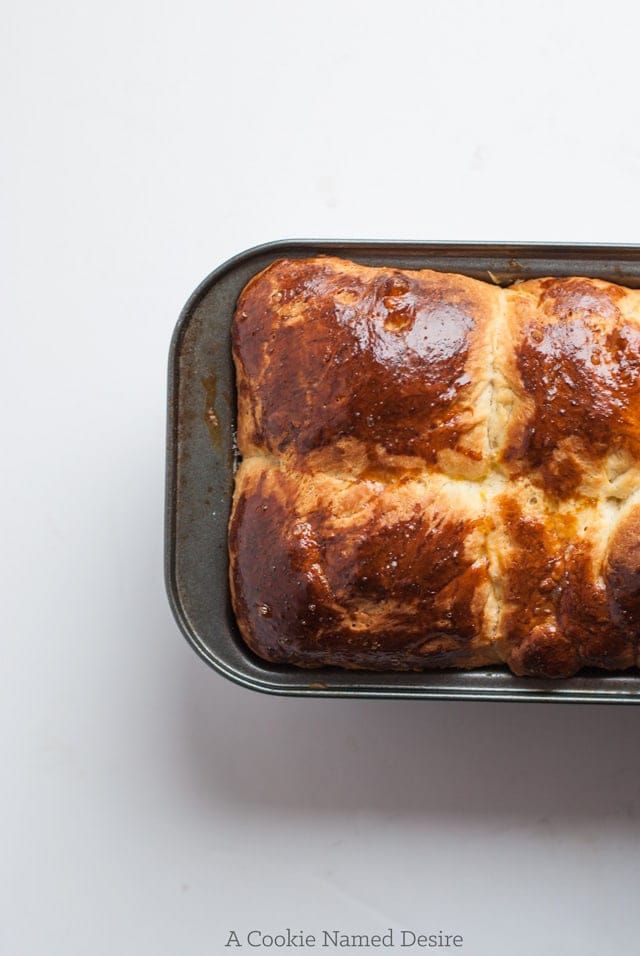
(436, 472)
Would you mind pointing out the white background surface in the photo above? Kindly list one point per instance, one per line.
(150, 806)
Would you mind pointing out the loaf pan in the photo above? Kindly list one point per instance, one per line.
(201, 455)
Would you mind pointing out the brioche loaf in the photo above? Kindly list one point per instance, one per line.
(436, 472)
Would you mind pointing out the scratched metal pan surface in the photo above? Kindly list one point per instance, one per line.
(201, 460)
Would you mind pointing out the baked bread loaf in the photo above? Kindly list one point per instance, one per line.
(436, 472)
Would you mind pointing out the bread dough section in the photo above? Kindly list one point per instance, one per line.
(351, 369)
(550, 563)
(571, 359)
(361, 574)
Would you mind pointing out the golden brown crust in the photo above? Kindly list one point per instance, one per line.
(622, 571)
(364, 574)
(437, 472)
(572, 361)
(555, 608)
(369, 367)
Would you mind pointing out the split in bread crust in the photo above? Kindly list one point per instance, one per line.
(436, 472)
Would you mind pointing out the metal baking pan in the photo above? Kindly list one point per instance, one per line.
(201, 456)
